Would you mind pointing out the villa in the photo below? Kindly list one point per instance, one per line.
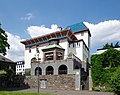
(60, 59)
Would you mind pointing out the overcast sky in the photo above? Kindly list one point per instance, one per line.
(23, 19)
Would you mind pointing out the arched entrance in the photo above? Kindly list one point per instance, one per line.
(62, 69)
(38, 70)
(49, 70)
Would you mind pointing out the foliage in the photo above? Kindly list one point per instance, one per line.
(115, 81)
(96, 70)
(10, 72)
(2, 72)
(20, 93)
(107, 45)
(33, 60)
(3, 42)
(111, 58)
(103, 67)
(70, 55)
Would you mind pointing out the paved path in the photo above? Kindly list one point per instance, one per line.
(67, 92)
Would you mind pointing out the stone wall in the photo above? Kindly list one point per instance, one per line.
(60, 82)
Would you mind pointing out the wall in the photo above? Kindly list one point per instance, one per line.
(64, 44)
(69, 63)
(60, 82)
(28, 56)
(85, 36)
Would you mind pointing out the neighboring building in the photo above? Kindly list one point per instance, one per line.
(99, 51)
(6, 63)
(64, 55)
(20, 68)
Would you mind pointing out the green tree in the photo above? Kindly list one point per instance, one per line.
(111, 58)
(106, 46)
(3, 42)
(115, 81)
(117, 45)
(103, 67)
(10, 72)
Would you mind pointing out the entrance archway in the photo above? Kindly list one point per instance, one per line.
(38, 70)
(62, 69)
(49, 70)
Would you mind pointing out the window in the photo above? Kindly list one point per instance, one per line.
(82, 34)
(48, 56)
(73, 44)
(59, 56)
(37, 50)
(29, 50)
(77, 43)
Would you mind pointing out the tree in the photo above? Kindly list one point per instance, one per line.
(3, 42)
(115, 81)
(117, 45)
(111, 58)
(103, 67)
(106, 46)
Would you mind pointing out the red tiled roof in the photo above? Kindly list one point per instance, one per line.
(66, 32)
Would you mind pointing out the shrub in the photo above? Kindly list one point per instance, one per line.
(115, 81)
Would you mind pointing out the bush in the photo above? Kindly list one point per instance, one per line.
(115, 81)
(10, 72)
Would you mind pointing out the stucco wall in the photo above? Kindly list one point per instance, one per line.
(85, 36)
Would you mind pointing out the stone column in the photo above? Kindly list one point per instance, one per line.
(77, 80)
(90, 80)
(43, 71)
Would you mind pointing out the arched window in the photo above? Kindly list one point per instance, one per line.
(49, 70)
(62, 69)
(38, 70)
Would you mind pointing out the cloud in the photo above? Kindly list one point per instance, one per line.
(104, 32)
(35, 31)
(16, 51)
(28, 17)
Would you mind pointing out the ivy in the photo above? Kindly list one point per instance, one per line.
(103, 68)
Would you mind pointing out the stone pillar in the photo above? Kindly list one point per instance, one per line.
(77, 80)
(90, 80)
(54, 55)
(43, 71)
(56, 70)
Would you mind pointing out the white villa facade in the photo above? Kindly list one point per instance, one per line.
(65, 52)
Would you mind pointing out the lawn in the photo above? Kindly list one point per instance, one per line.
(20, 93)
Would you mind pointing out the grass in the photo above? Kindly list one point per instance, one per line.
(20, 93)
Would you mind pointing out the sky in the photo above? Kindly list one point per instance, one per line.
(24, 19)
